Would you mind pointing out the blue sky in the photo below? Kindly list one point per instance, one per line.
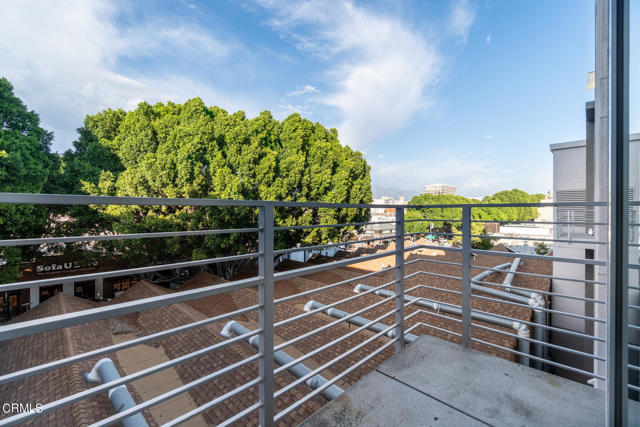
(467, 92)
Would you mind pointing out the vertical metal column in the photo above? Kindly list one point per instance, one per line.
(617, 350)
(265, 269)
(466, 276)
(399, 330)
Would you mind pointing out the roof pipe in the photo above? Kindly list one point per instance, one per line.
(532, 299)
(104, 371)
(356, 320)
(522, 330)
(511, 274)
(298, 370)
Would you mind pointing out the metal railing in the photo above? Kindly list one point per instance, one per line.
(450, 292)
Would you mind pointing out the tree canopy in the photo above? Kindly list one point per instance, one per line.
(191, 150)
(26, 166)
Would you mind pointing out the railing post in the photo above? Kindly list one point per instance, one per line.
(466, 276)
(617, 320)
(399, 330)
(265, 269)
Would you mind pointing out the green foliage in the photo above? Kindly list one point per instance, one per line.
(26, 166)
(443, 218)
(190, 150)
(542, 249)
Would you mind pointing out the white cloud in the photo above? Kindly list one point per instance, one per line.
(62, 59)
(463, 13)
(304, 90)
(488, 39)
(382, 68)
(287, 109)
(488, 136)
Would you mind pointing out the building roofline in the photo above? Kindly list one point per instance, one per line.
(583, 143)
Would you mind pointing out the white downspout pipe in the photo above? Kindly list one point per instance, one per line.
(356, 320)
(298, 370)
(522, 330)
(104, 371)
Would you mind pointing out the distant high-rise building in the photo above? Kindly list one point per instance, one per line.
(437, 189)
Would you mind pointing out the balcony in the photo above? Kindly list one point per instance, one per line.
(464, 335)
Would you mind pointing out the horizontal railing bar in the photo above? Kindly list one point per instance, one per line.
(635, 307)
(544, 343)
(504, 205)
(123, 272)
(634, 266)
(434, 261)
(73, 199)
(538, 239)
(329, 325)
(312, 226)
(182, 389)
(535, 291)
(329, 245)
(218, 400)
(440, 248)
(432, 220)
(335, 359)
(428, 273)
(633, 387)
(437, 328)
(546, 310)
(544, 276)
(429, 313)
(451, 291)
(633, 347)
(164, 234)
(634, 327)
(540, 359)
(335, 379)
(576, 223)
(30, 327)
(333, 285)
(633, 367)
(547, 327)
(240, 415)
(120, 346)
(434, 233)
(333, 304)
(132, 377)
(331, 343)
(330, 266)
(540, 257)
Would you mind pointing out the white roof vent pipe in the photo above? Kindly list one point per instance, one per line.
(298, 370)
(104, 371)
(521, 329)
(356, 320)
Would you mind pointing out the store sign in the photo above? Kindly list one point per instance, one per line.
(68, 266)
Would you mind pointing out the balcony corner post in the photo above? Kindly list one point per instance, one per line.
(399, 286)
(265, 270)
(466, 276)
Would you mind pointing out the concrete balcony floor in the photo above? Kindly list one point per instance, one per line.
(438, 383)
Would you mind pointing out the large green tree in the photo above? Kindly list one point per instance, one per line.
(191, 150)
(26, 166)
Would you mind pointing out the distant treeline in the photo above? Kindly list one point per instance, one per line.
(437, 217)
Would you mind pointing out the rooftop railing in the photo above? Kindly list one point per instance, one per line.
(294, 359)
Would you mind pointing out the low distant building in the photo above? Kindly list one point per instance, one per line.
(438, 189)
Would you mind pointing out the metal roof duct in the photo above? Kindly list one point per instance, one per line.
(298, 370)
(356, 320)
(104, 371)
